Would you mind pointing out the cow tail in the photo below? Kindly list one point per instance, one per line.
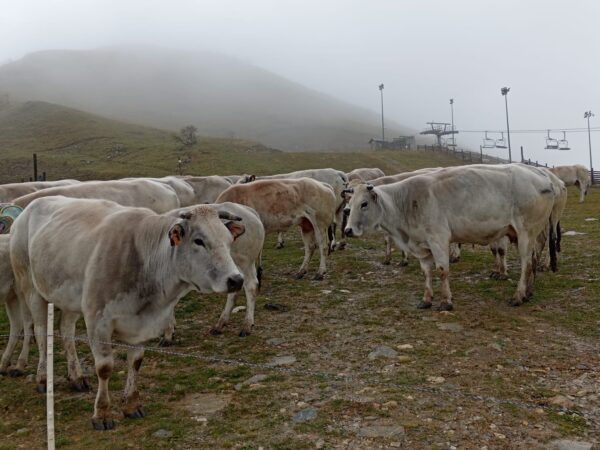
(330, 237)
(259, 271)
(552, 248)
(558, 237)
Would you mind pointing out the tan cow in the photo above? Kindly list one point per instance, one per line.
(282, 204)
(476, 204)
(123, 269)
(149, 194)
(576, 175)
(365, 174)
(8, 192)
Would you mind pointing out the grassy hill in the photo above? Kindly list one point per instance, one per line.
(168, 89)
(75, 144)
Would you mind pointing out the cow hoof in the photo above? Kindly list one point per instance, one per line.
(136, 414)
(318, 277)
(15, 373)
(103, 424)
(424, 305)
(279, 245)
(386, 262)
(41, 388)
(216, 331)
(454, 259)
(444, 306)
(340, 246)
(494, 275)
(244, 333)
(80, 385)
(403, 263)
(516, 302)
(299, 275)
(164, 342)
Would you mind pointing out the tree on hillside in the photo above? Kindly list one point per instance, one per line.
(187, 135)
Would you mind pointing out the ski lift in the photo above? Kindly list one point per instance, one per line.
(501, 143)
(450, 142)
(563, 144)
(488, 142)
(551, 143)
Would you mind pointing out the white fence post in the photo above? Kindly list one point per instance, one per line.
(50, 377)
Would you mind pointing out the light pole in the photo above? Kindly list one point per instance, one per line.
(382, 127)
(504, 92)
(587, 115)
(452, 113)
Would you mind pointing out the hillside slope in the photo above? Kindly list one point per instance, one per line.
(168, 89)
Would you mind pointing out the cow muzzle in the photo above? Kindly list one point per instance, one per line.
(348, 232)
(235, 283)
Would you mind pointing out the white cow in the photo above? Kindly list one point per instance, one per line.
(476, 204)
(365, 174)
(10, 191)
(123, 269)
(576, 175)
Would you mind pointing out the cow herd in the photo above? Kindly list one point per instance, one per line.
(122, 253)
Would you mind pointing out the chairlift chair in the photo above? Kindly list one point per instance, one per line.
(563, 144)
(501, 143)
(450, 142)
(488, 142)
(551, 143)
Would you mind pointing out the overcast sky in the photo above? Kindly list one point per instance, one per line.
(424, 51)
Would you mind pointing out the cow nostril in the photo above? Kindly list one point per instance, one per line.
(348, 232)
(235, 283)
(347, 211)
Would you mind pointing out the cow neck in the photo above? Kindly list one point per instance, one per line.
(159, 258)
(388, 218)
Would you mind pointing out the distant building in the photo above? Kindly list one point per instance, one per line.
(397, 143)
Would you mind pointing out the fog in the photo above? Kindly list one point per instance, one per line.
(424, 52)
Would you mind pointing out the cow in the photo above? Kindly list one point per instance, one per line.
(8, 296)
(335, 178)
(576, 175)
(365, 174)
(149, 194)
(454, 248)
(207, 189)
(284, 203)
(10, 191)
(185, 192)
(246, 253)
(476, 204)
(123, 269)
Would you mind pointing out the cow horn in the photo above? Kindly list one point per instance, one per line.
(227, 216)
(369, 187)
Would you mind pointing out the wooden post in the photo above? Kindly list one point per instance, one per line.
(43, 176)
(50, 377)
(35, 178)
(522, 158)
(481, 154)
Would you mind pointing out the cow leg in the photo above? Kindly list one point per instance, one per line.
(224, 318)
(454, 252)
(169, 333)
(68, 322)
(309, 249)
(279, 240)
(132, 408)
(582, 189)
(99, 335)
(340, 218)
(427, 267)
(251, 290)
(39, 311)
(321, 242)
(388, 250)
(525, 254)
(13, 312)
(441, 256)
(28, 332)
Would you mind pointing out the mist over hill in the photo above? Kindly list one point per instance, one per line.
(220, 95)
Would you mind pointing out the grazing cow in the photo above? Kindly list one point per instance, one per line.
(246, 252)
(8, 192)
(185, 192)
(144, 193)
(476, 204)
(13, 311)
(284, 203)
(207, 189)
(576, 175)
(365, 174)
(123, 269)
(335, 178)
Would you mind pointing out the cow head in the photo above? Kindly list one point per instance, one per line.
(246, 179)
(201, 238)
(364, 210)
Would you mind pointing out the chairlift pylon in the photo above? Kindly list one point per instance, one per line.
(563, 144)
(488, 142)
(551, 143)
(501, 143)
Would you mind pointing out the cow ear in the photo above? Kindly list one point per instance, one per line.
(236, 229)
(176, 234)
(250, 178)
(374, 196)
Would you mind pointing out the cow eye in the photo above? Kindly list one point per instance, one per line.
(364, 204)
(199, 242)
